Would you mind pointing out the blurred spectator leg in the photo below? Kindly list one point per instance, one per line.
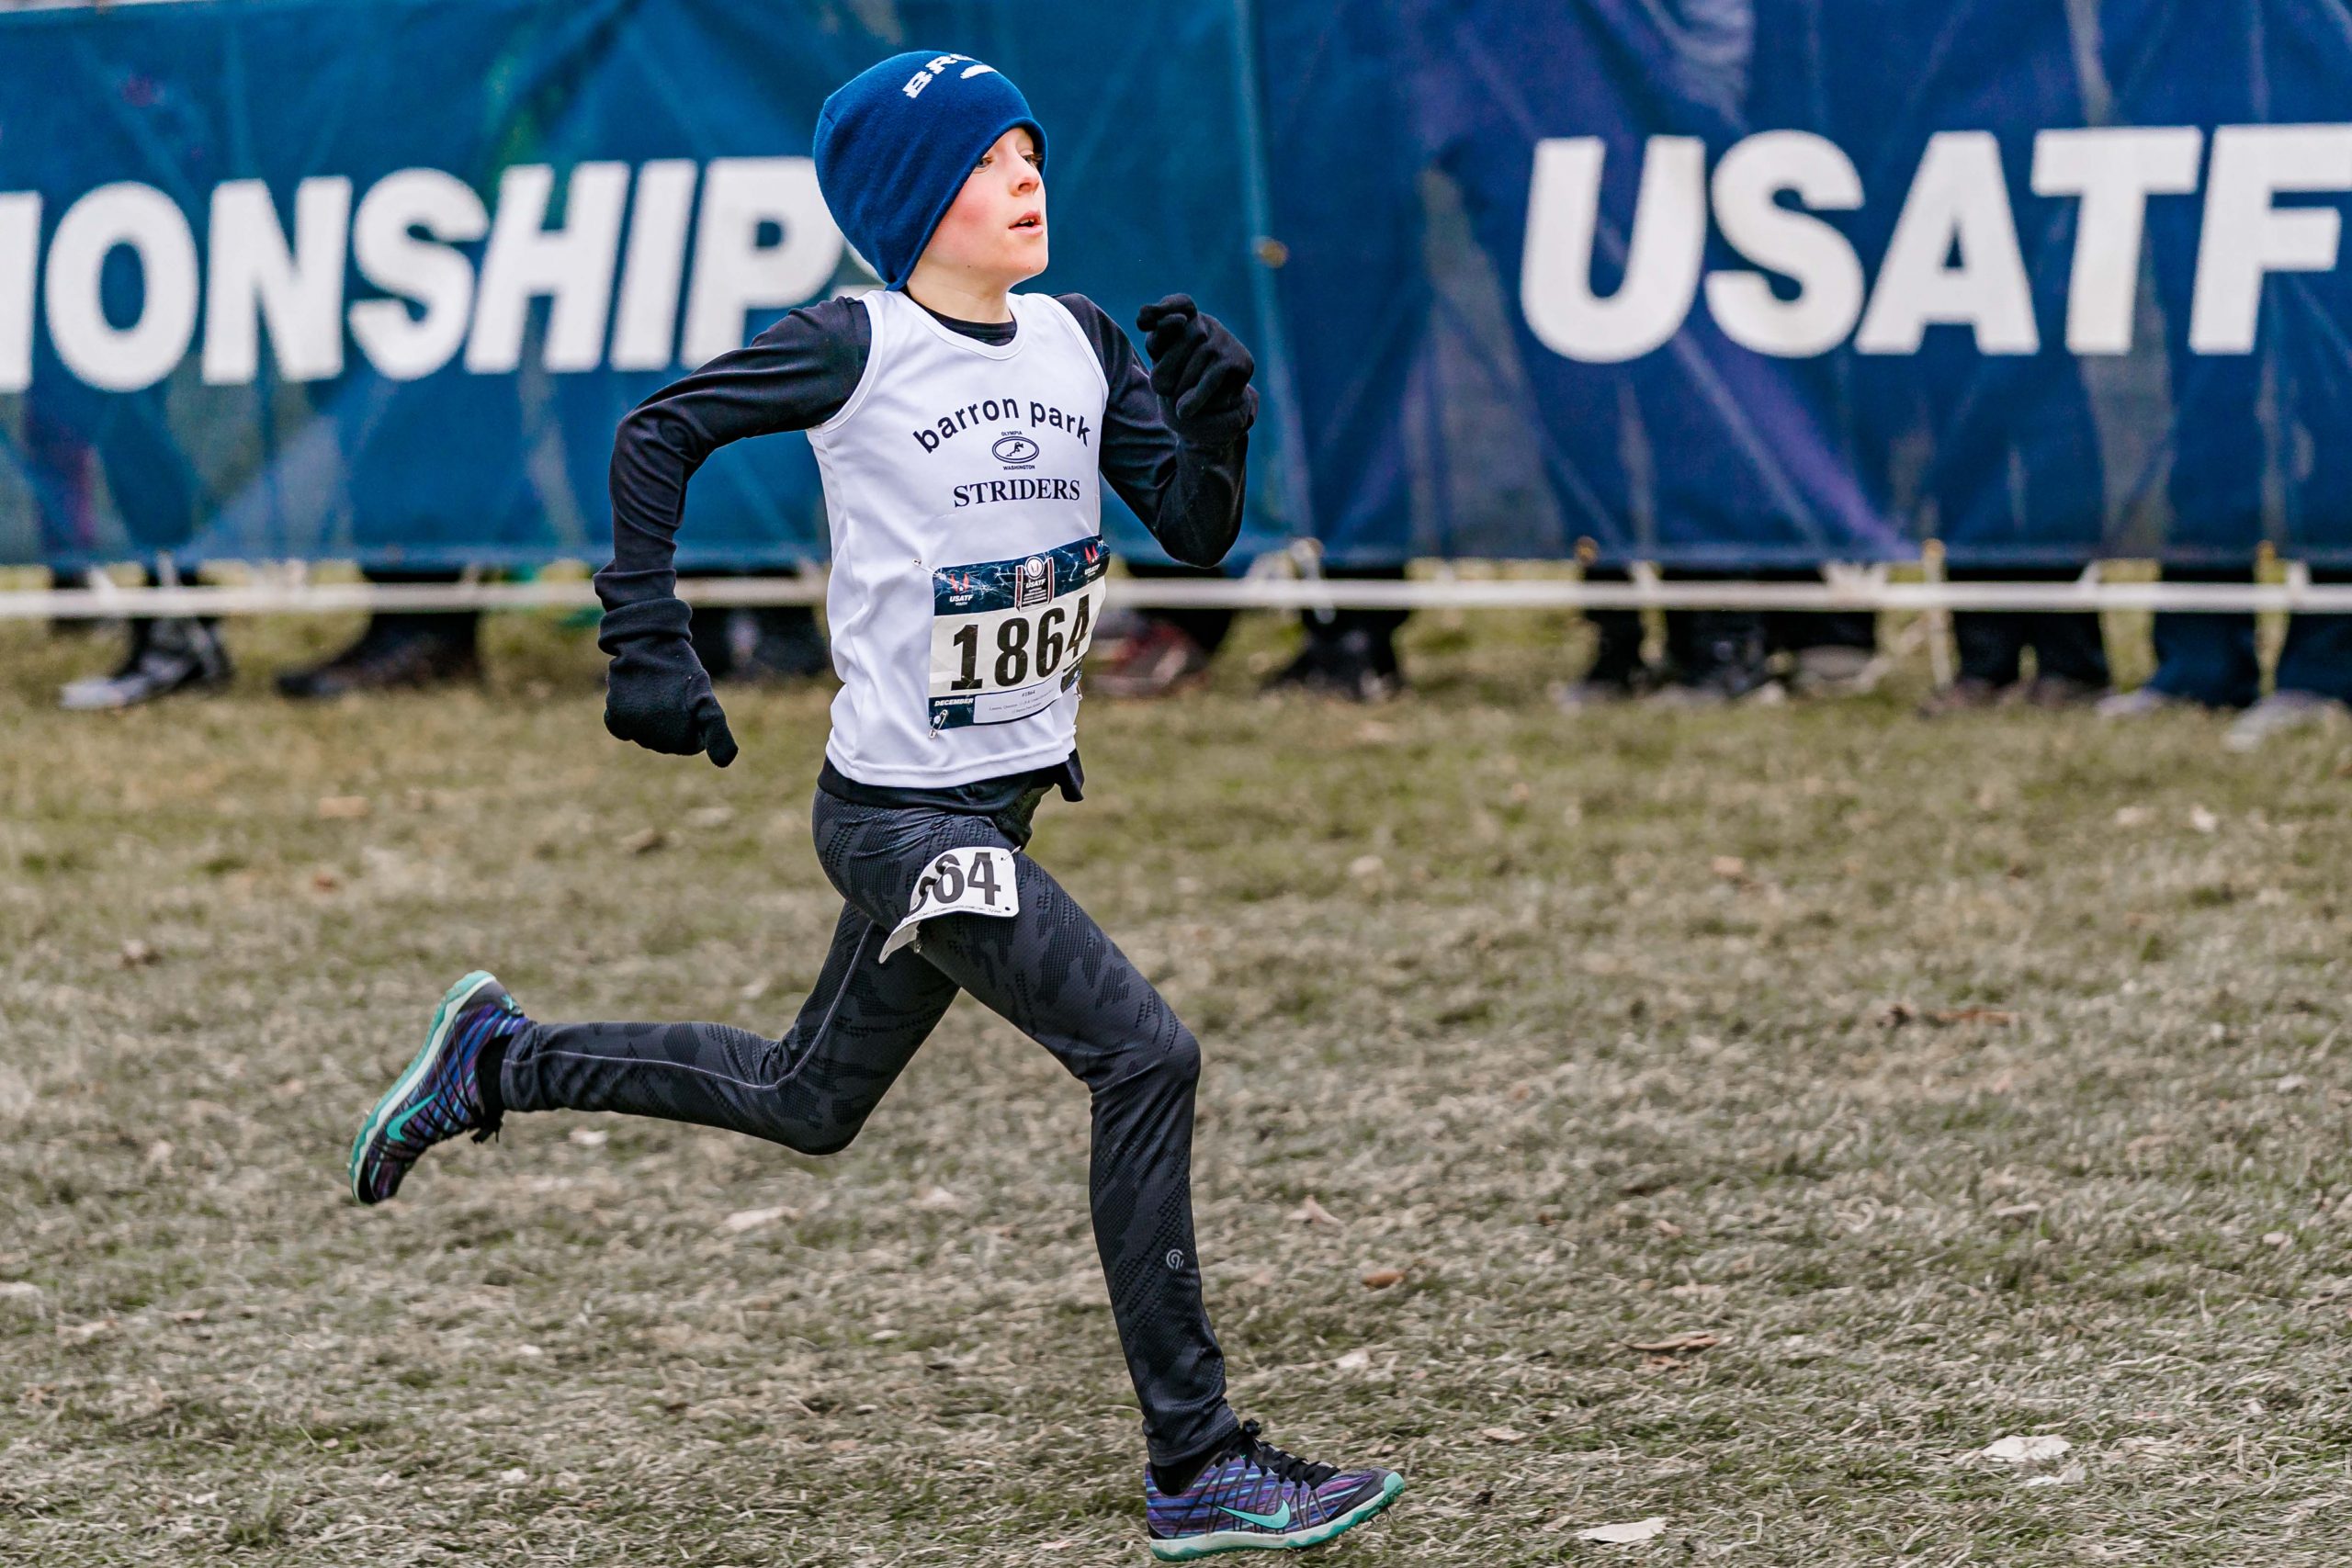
(2202, 660)
(399, 649)
(2070, 657)
(1162, 651)
(1712, 656)
(2069, 654)
(1991, 645)
(1617, 670)
(2314, 683)
(163, 655)
(1352, 655)
(1834, 653)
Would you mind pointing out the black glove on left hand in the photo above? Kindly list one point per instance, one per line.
(1200, 370)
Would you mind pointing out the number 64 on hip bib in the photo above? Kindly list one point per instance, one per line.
(977, 881)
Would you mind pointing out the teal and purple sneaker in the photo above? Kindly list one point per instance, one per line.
(436, 1098)
(1253, 1497)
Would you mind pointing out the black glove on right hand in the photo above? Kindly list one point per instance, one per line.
(1200, 370)
(657, 693)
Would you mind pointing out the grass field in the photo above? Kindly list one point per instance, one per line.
(1963, 1081)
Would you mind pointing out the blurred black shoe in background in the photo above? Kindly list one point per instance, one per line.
(165, 656)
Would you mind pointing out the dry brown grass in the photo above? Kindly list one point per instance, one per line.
(1963, 1081)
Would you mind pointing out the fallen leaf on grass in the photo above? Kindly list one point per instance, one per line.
(1314, 1213)
(2024, 1449)
(1995, 1016)
(1674, 1344)
(1381, 1279)
(2148, 1448)
(1501, 1435)
(2066, 1477)
(1626, 1534)
(644, 840)
(753, 1219)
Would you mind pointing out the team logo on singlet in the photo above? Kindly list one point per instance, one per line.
(1015, 450)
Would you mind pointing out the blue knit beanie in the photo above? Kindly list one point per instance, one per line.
(896, 142)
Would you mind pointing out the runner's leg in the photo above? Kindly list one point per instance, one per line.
(1051, 973)
(810, 1090)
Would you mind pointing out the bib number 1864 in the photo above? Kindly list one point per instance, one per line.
(1022, 645)
(1007, 637)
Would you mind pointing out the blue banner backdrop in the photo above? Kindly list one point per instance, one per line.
(453, 408)
(1714, 283)
(1755, 283)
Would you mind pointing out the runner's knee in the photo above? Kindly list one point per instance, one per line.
(1176, 1063)
(818, 1136)
(805, 1122)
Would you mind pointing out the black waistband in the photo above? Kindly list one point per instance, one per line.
(981, 797)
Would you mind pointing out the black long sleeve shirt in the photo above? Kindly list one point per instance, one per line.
(800, 372)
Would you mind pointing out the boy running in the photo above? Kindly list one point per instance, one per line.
(961, 431)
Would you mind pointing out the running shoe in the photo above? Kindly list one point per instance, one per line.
(1253, 1497)
(436, 1098)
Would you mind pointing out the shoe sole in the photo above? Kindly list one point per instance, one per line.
(436, 1040)
(1209, 1545)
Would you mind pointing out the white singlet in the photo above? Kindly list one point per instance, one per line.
(968, 576)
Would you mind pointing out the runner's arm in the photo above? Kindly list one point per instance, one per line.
(1189, 496)
(797, 374)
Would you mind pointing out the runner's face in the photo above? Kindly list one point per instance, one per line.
(996, 229)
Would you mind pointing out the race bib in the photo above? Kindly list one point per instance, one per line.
(960, 881)
(1007, 636)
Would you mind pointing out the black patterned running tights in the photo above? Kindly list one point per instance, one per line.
(1050, 972)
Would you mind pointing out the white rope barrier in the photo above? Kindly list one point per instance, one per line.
(1846, 588)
